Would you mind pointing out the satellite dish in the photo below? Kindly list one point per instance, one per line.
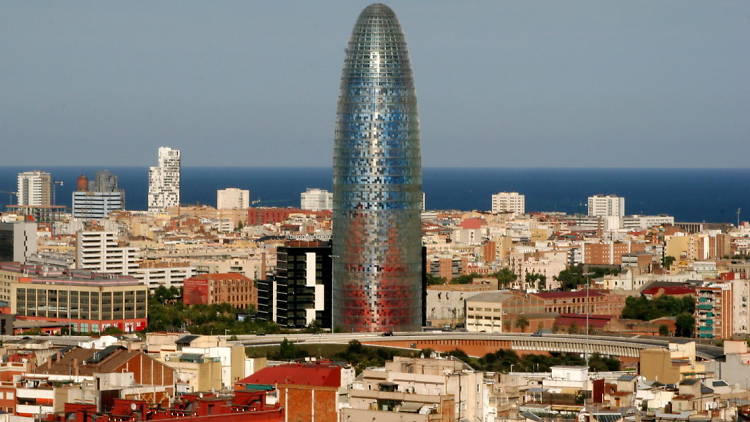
(133, 406)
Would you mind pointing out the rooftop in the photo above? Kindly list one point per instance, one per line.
(38, 274)
(219, 277)
(315, 374)
(491, 297)
(563, 295)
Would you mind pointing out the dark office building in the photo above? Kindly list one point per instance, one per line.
(300, 291)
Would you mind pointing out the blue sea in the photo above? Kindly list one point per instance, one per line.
(711, 195)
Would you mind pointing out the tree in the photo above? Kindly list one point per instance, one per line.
(598, 362)
(432, 280)
(504, 278)
(314, 327)
(161, 294)
(355, 347)
(459, 354)
(571, 277)
(112, 331)
(289, 351)
(667, 261)
(534, 280)
(521, 323)
(663, 330)
(643, 309)
(464, 278)
(685, 325)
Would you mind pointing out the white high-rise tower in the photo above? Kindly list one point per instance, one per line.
(164, 181)
(606, 206)
(35, 188)
(512, 202)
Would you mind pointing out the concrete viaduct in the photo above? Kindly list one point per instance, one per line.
(479, 344)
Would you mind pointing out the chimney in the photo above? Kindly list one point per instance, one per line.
(75, 367)
(49, 363)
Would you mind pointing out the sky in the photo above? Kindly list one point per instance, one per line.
(574, 83)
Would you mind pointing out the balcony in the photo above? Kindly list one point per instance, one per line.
(33, 409)
(36, 393)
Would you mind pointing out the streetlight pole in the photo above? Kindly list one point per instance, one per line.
(588, 311)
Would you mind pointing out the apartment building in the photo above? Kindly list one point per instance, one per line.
(101, 251)
(162, 273)
(35, 189)
(713, 311)
(232, 288)
(232, 199)
(606, 206)
(509, 202)
(164, 181)
(594, 302)
(316, 200)
(491, 311)
(609, 253)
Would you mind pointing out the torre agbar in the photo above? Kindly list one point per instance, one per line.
(377, 183)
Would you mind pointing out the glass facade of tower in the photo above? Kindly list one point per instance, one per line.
(377, 182)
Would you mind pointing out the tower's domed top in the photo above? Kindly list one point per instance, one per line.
(377, 9)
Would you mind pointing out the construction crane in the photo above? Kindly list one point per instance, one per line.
(55, 184)
(10, 196)
(259, 201)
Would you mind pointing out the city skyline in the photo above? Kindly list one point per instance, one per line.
(575, 247)
(667, 82)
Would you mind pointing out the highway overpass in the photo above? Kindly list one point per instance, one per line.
(478, 344)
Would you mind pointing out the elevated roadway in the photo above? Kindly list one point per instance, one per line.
(479, 344)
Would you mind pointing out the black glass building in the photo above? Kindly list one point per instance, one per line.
(377, 183)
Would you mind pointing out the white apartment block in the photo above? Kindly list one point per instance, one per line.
(643, 222)
(167, 274)
(512, 202)
(232, 199)
(164, 181)
(606, 206)
(96, 204)
(100, 251)
(35, 188)
(316, 200)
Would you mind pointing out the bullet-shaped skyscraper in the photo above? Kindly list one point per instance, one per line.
(377, 183)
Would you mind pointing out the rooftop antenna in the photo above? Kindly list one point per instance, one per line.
(739, 210)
